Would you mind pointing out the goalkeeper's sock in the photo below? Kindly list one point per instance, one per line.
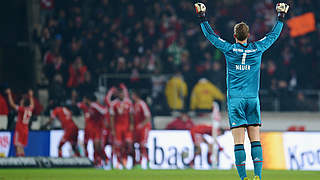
(256, 154)
(240, 156)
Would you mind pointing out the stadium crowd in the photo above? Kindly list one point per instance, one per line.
(81, 40)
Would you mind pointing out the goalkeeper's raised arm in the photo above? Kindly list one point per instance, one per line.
(272, 36)
(207, 30)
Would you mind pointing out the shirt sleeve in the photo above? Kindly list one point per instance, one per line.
(107, 99)
(99, 108)
(53, 114)
(270, 38)
(215, 40)
(145, 109)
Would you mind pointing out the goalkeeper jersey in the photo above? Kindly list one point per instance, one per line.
(242, 61)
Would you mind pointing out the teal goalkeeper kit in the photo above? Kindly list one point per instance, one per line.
(243, 74)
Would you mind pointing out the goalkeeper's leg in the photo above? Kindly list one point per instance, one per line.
(239, 152)
(256, 149)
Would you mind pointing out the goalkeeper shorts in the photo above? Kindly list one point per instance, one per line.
(244, 112)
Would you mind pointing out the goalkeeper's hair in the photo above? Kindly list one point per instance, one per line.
(241, 31)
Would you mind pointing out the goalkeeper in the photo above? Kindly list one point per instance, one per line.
(243, 60)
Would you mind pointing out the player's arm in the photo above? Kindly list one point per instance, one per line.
(51, 118)
(10, 99)
(147, 115)
(272, 36)
(112, 117)
(215, 40)
(30, 93)
(125, 90)
(146, 121)
(107, 99)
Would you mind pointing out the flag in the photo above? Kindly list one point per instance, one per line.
(301, 25)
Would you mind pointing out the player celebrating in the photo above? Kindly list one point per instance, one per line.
(24, 110)
(142, 124)
(107, 136)
(243, 61)
(121, 121)
(88, 125)
(197, 133)
(64, 115)
(97, 114)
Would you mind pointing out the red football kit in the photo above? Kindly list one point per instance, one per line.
(21, 132)
(179, 124)
(198, 130)
(65, 117)
(141, 112)
(97, 114)
(122, 110)
(88, 126)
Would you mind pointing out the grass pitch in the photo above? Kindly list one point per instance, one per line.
(97, 174)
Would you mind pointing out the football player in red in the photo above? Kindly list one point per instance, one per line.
(24, 110)
(142, 124)
(121, 119)
(108, 101)
(107, 137)
(88, 125)
(64, 115)
(97, 119)
(197, 133)
(182, 122)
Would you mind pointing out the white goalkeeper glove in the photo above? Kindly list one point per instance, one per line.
(282, 9)
(200, 9)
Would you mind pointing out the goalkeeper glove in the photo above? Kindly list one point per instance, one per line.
(282, 9)
(200, 9)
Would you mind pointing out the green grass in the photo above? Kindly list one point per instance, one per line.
(97, 174)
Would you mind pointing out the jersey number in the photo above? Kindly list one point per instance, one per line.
(244, 55)
(26, 116)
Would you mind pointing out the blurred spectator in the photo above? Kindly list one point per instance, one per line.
(46, 9)
(304, 104)
(98, 65)
(87, 88)
(190, 79)
(158, 82)
(3, 106)
(38, 108)
(216, 76)
(166, 35)
(44, 40)
(71, 102)
(204, 94)
(3, 112)
(57, 91)
(77, 72)
(56, 66)
(176, 91)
